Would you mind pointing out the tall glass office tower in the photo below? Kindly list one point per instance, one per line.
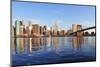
(17, 27)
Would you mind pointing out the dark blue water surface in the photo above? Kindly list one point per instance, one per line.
(49, 50)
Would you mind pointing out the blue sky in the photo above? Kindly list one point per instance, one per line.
(47, 14)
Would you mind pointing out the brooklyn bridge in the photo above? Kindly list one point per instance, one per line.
(80, 30)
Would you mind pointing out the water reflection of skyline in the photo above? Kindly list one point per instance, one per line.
(77, 42)
(29, 45)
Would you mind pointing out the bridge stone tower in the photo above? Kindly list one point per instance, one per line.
(76, 27)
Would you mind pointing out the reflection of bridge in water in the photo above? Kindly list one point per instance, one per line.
(81, 30)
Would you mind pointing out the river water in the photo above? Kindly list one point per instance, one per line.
(52, 50)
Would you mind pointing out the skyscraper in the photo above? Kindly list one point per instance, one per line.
(44, 30)
(41, 30)
(22, 29)
(55, 28)
(30, 28)
(62, 32)
(36, 29)
(17, 27)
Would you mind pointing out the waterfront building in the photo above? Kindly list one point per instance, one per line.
(22, 27)
(36, 30)
(17, 27)
(41, 30)
(63, 33)
(47, 33)
(30, 29)
(55, 28)
(44, 30)
(54, 33)
(69, 31)
(51, 31)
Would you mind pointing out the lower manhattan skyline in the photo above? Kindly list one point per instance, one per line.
(44, 14)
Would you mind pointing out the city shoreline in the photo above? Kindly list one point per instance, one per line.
(49, 36)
